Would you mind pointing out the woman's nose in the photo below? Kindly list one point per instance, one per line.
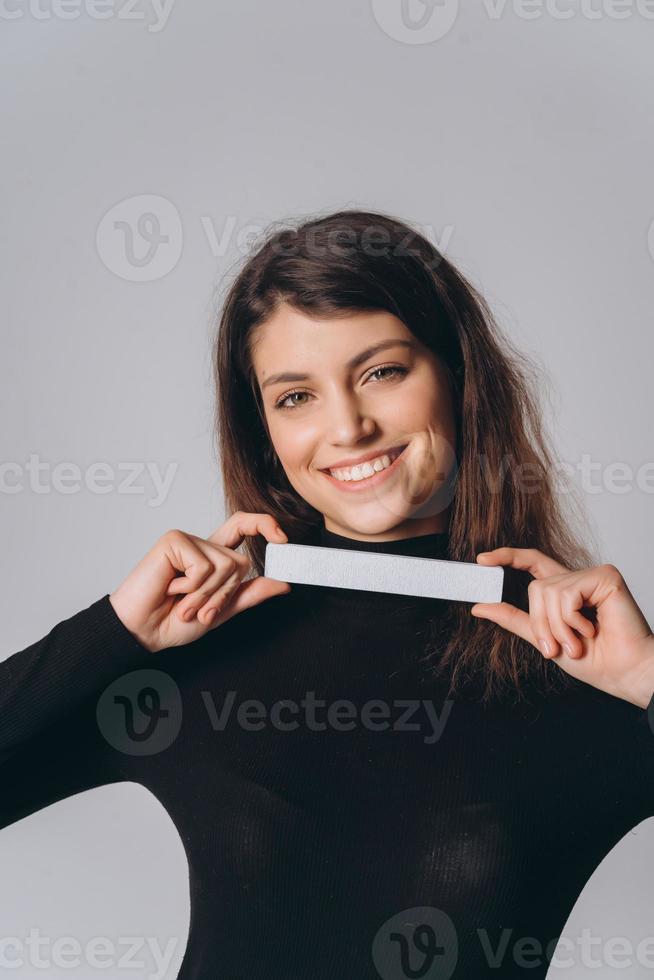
(348, 421)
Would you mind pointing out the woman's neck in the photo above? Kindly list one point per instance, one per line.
(428, 545)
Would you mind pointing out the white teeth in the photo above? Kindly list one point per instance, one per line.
(364, 470)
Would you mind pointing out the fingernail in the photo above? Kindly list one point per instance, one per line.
(211, 615)
(545, 647)
(567, 649)
(189, 614)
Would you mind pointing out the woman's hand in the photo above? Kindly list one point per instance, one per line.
(615, 654)
(207, 574)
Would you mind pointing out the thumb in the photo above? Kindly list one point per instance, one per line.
(483, 610)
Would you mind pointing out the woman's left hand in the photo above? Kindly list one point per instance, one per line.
(615, 654)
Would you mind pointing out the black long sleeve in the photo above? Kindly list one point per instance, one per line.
(50, 744)
(338, 813)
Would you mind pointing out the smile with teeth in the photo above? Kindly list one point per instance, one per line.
(367, 469)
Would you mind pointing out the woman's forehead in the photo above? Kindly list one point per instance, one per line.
(291, 336)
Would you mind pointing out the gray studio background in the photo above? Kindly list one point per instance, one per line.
(518, 138)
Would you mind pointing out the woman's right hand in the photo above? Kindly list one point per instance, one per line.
(207, 573)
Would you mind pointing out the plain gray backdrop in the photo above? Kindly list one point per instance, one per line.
(144, 147)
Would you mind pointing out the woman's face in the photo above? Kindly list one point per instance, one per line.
(338, 400)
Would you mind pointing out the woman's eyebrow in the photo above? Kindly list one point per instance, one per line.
(352, 363)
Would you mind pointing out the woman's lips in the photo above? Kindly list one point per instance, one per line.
(353, 486)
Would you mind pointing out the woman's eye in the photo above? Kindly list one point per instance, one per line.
(393, 368)
(282, 401)
(390, 367)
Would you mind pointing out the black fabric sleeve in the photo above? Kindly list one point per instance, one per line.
(623, 737)
(50, 744)
(645, 718)
(643, 760)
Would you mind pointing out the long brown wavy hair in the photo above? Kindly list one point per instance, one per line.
(355, 260)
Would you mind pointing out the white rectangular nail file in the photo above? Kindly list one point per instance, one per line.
(379, 572)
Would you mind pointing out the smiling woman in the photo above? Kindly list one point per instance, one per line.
(347, 817)
(348, 338)
(356, 411)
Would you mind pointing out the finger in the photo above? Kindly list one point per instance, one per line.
(528, 559)
(235, 596)
(507, 616)
(178, 586)
(229, 567)
(241, 525)
(604, 587)
(596, 584)
(570, 643)
(248, 594)
(184, 584)
(572, 602)
(540, 622)
(216, 589)
(187, 560)
(218, 601)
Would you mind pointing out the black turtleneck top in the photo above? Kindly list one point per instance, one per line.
(342, 817)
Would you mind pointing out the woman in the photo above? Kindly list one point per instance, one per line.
(366, 784)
